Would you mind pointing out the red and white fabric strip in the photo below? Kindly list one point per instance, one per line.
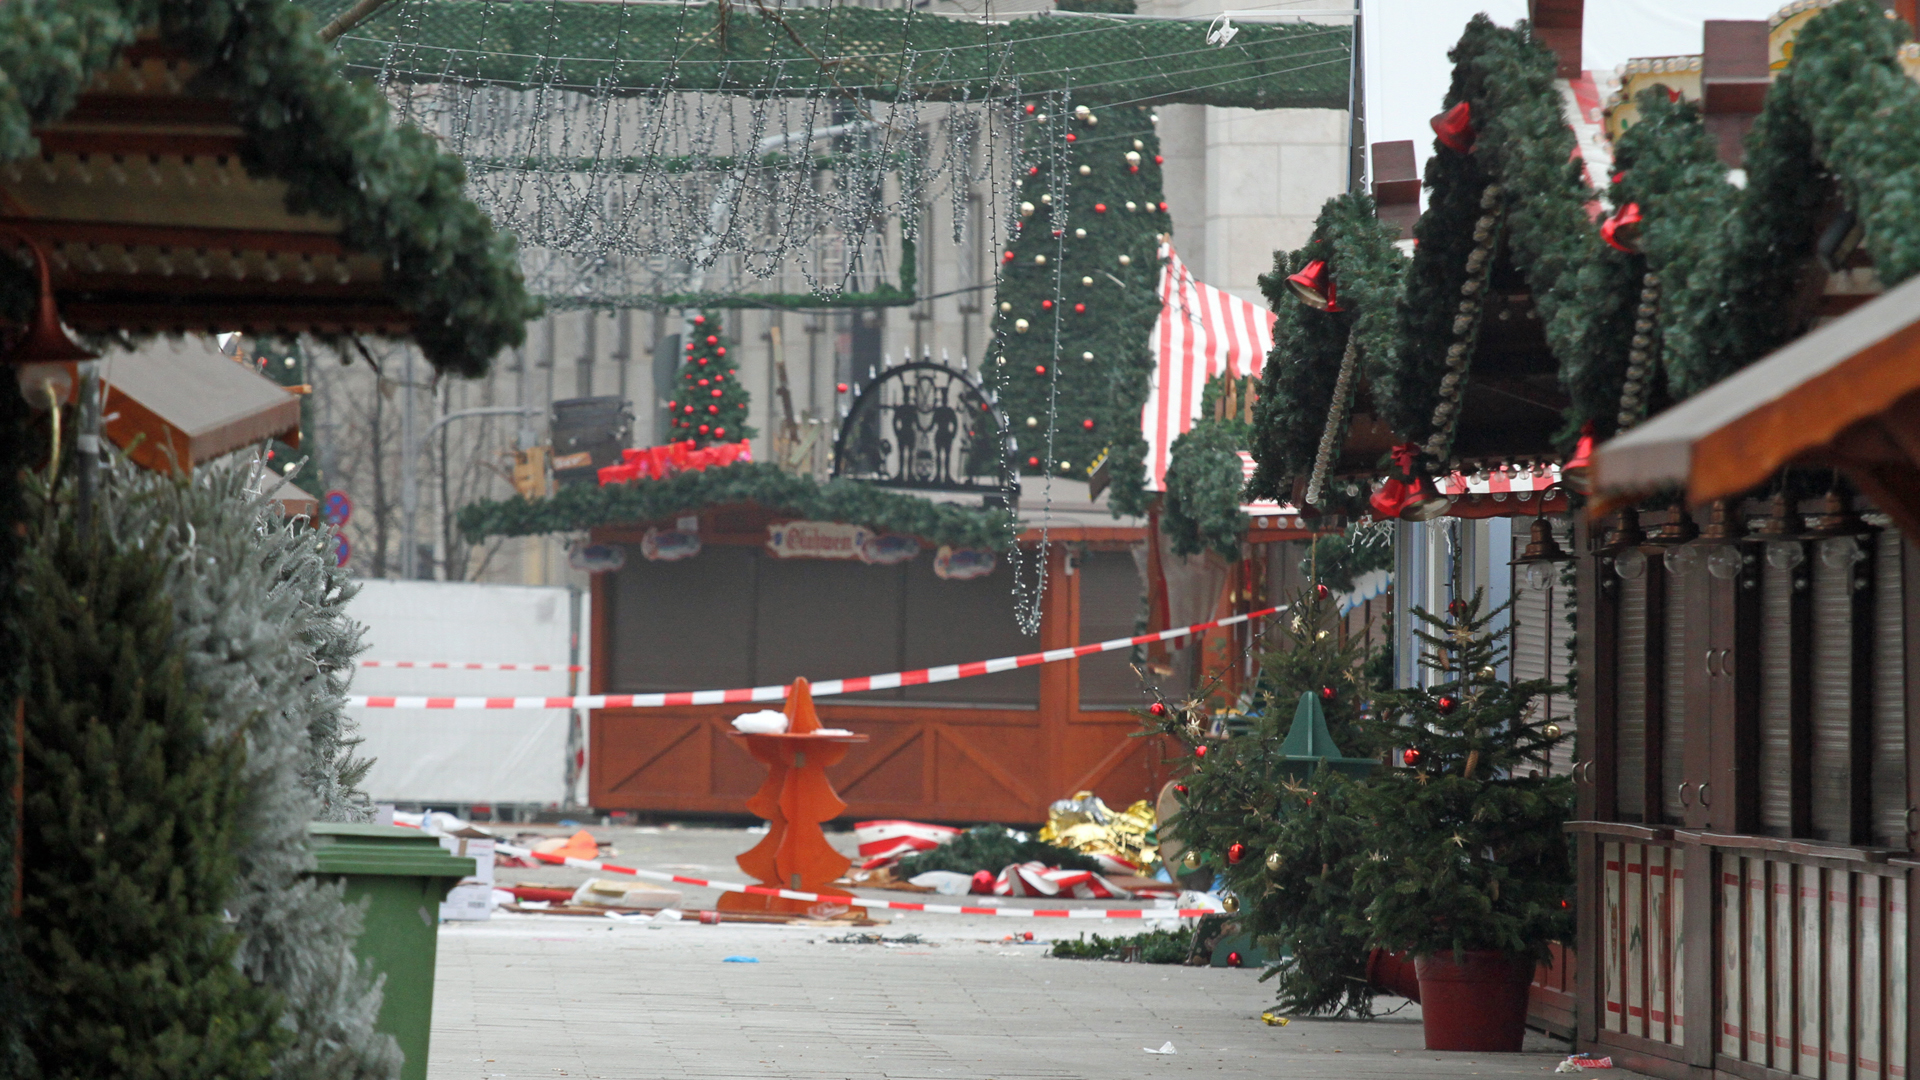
(1038, 879)
(824, 688)
(882, 842)
(460, 665)
(888, 905)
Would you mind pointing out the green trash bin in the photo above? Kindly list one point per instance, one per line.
(403, 874)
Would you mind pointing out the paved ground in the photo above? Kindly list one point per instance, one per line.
(529, 997)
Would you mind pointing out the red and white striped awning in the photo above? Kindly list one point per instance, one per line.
(1202, 333)
(1501, 481)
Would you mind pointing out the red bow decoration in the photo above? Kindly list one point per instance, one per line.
(1622, 230)
(1454, 128)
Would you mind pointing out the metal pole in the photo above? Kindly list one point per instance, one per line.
(576, 735)
(410, 449)
(409, 480)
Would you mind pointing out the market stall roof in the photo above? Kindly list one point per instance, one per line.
(1846, 395)
(173, 404)
(215, 171)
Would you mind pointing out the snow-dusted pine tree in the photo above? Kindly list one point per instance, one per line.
(260, 616)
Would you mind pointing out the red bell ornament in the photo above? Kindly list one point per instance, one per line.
(1314, 286)
(1577, 473)
(1622, 230)
(1236, 852)
(1454, 128)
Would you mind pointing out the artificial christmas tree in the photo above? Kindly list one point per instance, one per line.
(709, 401)
(1076, 299)
(1266, 793)
(130, 845)
(1467, 868)
(259, 614)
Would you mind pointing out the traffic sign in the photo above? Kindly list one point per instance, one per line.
(336, 509)
(342, 549)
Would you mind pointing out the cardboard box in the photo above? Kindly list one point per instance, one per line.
(472, 899)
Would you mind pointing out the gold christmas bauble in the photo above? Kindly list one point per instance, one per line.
(1039, 260)
(1552, 731)
(1230, 902)
(1086, 170)
(1191, 860)
(1020, 326)
(1080, 234)
(1138, 145)
(1081, 111)
(1488, 672)
(1126, 260)
(1047, 198)
(1133, 157)
(1086, 356)
(1322, 635)
(1005, 306)
(1086, 281)
(1274, 861)
(1026, 209)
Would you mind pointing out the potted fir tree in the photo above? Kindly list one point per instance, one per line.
(1468, 870)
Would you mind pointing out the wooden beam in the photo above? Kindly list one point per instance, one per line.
(186, 237)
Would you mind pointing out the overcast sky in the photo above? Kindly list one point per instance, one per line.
(1406, 43)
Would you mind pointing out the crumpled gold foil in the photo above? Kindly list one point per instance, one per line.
(1088, 825)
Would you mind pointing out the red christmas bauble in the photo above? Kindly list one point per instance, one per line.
(689, 346)
(689, 408)
(1163, 208)
(703, 361)
(1457, 608)
(716, 391)
(711, 340)
(715, 409)
(720, 431)
(1046, 305)
(702, 382)
(703, 429)
(1099, 208)
(1133, 168)
(1158, 160)
(1233, 959)
(1039, 369)
(983, 882)
(841, 387)
(1446, 704)
(699, 320)
(1157, 709)
(722, 350)
(1200, 751)
(1033, 170)
(1235, 852)
(1030, 110)
(1181, 788)
(1033, 462)
(1321, 591)
(1006, 256)
(1088, 424)
(1070, 137)
(1326, 693)
(1079, 309)
(1410, 756)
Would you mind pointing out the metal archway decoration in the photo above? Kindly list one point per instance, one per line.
(927, 427)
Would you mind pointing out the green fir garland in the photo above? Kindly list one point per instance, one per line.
(396, 195)
(1583, 291)
(582, 506)
(1297, 382)
(1086, 362)
(1202, 506)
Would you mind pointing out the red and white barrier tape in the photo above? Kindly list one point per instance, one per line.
(861, 901)
(457, 665)
(824, 688)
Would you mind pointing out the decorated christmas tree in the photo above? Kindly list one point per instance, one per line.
(709, 400)
(1076, 300)
(1464, 845)
(1269, 809)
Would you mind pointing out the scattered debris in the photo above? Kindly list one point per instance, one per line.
(1167, 946)
(741, 960)
(1165, 1048)
(1581, 1063)
(877, 939)
(1274, 1019)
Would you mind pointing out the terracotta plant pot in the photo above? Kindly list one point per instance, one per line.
(1476, 1000)
(1393, 972)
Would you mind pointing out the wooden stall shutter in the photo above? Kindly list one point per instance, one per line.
(1540, 634)
(1889, 694)
(1630, 777)
(1832, 700)
(1110, 592)
(1673, 719)
(1776, 703)
(684, 625)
